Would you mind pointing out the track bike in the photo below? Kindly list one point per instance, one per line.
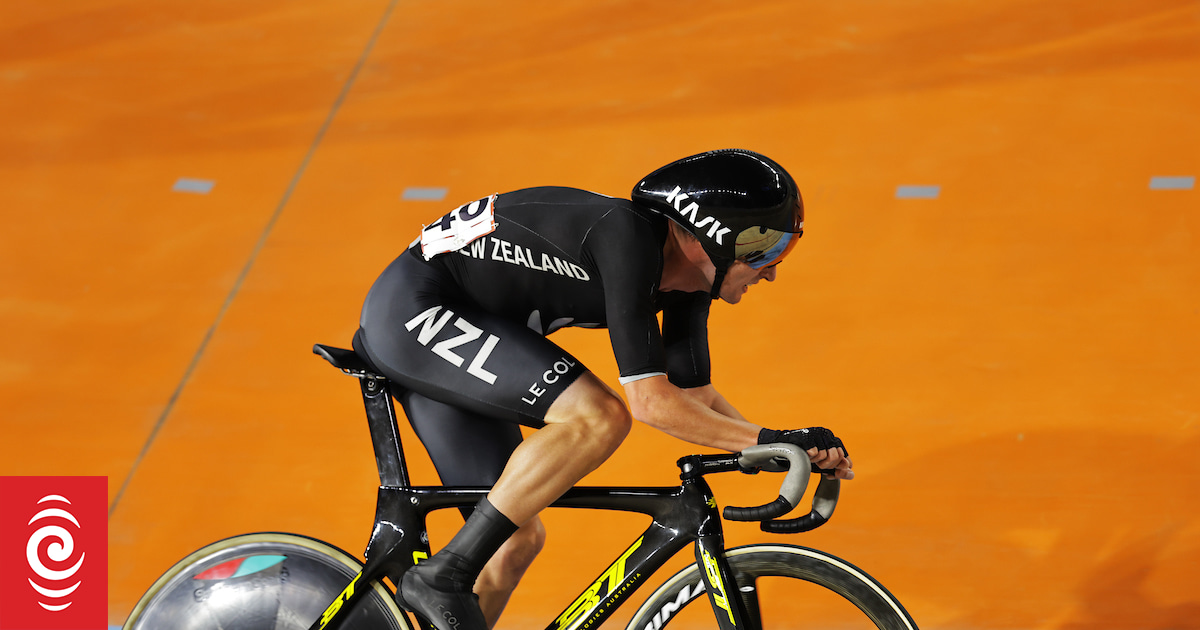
(281, 581)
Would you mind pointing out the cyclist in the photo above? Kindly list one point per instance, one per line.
(458, 323)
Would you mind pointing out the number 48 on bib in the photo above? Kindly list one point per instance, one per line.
(459, 227)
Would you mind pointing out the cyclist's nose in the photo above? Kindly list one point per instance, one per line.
(768, 274)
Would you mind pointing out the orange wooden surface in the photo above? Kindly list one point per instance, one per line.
(1013, 364)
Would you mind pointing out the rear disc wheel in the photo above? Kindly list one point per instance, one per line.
(265, 581)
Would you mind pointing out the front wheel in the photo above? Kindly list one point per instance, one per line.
(264, 581)
(781, 586)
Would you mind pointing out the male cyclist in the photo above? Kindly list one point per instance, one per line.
(458, 322)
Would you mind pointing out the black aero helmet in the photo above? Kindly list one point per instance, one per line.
(738, 204)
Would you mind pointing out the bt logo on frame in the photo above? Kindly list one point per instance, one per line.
(53, 553)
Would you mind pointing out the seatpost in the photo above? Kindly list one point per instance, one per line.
(385, 434)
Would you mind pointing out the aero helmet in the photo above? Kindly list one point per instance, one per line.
(740, 205)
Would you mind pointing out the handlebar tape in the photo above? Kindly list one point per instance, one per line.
(776, 508)
(805, 523)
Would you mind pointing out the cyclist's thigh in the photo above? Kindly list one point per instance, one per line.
(466, 449)
(418, 331)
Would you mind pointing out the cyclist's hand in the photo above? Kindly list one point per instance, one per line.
(825, 450)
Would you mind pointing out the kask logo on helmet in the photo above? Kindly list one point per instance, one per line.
(691, 212)
(53, 553)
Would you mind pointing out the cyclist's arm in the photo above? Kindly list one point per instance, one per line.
(701, 415)
(695, 416)
(711, 398)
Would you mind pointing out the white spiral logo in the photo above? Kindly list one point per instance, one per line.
(60, 550)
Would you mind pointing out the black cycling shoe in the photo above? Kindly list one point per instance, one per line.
(439, 588)
(442, 602)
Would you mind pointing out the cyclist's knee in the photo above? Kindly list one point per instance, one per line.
(611, 417)
(594, 409)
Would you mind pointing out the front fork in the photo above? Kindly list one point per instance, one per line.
(734, 610)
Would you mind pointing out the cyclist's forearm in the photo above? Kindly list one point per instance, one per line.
(700, 425)
(715, 401)
(689, 417)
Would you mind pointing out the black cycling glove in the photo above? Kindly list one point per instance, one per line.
(812, 437)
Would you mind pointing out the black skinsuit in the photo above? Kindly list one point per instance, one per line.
(463, 333)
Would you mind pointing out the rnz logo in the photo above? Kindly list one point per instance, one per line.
(53, 553)
(54, 586)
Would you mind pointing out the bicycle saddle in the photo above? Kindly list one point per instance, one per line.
(345, 360)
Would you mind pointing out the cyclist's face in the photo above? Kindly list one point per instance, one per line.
(741, 277)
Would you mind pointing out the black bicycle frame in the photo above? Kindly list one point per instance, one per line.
(680, 515)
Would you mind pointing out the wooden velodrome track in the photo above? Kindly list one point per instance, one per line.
(997, 301)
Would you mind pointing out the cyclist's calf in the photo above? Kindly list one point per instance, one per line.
(505, 569)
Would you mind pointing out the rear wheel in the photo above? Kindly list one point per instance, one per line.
(264, 581)
(781, 586)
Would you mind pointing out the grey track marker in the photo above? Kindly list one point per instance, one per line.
(1172, 183)
(918, 192)
(424, 194)
(191, 185)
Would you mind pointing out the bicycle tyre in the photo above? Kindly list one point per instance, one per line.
(262, 581)
(752, 562)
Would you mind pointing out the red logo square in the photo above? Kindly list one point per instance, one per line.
(53, 553)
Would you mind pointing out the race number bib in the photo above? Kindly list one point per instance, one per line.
(459, 227)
